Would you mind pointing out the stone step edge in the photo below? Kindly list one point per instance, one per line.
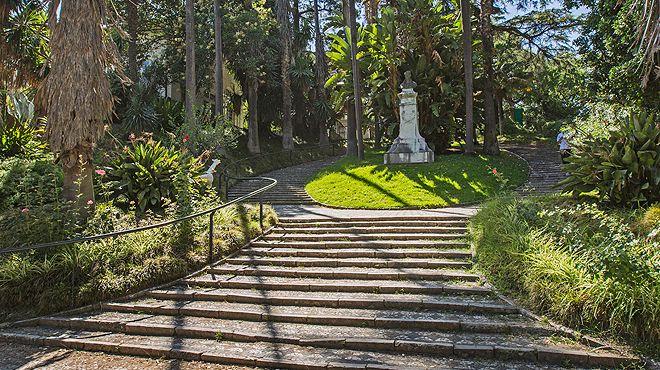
(355, 275)
(377, 218)
(350, 321)
(361, 244)
(343, 254)
(348, 262)
(336, 302)
(440, 349)
(307, 287)
(373, 229)
(362, 237)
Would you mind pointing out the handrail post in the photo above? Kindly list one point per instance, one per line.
(211, 236)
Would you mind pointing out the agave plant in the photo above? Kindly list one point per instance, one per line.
(623, 168)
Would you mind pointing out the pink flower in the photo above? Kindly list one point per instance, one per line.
(494, 171)
(90, 202)
(25, 211)
(186, 138)
(100, 172)
(131, 137)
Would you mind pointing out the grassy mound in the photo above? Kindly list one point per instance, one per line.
(451, 179)
(594, 269)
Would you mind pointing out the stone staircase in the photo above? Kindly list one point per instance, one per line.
(290, 188)
(361, 292)
(545, 171)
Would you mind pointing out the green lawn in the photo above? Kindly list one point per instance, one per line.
(451, 179)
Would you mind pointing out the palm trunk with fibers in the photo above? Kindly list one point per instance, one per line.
(357, 98)
(132, 21)
(321, 73)
(191, 85)
(285, 38)
(253, 119)
(466, 15)
(219, 62)
(76, 93)
(490, 131)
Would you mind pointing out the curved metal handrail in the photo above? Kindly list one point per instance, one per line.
(113, 234)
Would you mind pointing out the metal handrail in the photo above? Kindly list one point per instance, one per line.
(211, 212)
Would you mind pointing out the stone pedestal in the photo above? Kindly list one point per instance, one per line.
(410, 146)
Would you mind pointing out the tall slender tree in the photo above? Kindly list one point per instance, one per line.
(191, 83)
(491, 145)
(219, 61)
(285, 39)
(357, 96)
(321, 75)
(466, 15)
(253, 119)
(76, 93)
(132, 20)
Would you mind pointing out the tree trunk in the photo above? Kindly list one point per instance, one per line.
(500, 111)
(321, 73)
(219, 62)
(351, 144)
(132, 21)
(285, 38)
(378, 134)
(467, 65)
(191, 88)
(253, 123)
(357, 99)
(490, 130)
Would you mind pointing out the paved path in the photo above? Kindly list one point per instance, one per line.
(290, 188)
(544, 162)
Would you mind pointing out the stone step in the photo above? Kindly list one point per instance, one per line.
(356, 253)
(354, 237)
(335, 285)
(336, 300)
(349, 223)
(361, 244)
(310, 354)
(348, 262)
(346, 273)
(384, 217)
(372, 230)
(422, 320)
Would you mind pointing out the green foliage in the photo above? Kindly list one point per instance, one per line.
(624, 167)
(208, 133)
(574, 262)
(19, 135)
(143, 175)
(451, 179)
(29, 182)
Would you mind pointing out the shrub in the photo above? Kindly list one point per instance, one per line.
(575, 262)
(144, 175)
(29, 182)
(19, 135)
(624, 167)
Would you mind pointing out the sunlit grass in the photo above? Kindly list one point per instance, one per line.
(451, 179)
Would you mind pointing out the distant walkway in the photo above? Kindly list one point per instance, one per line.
(290, 188)
(544, 162)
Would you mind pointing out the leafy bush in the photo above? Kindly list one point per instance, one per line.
(29, 182)
(624, 167)
(208, 133)
(144, 175)
(19, 135)
(579, 264)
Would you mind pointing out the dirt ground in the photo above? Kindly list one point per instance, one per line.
(24, 357)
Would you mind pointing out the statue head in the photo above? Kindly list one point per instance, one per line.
(408, 83)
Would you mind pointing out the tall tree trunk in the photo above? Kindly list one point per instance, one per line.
(500, 111)
(466, 6)
(191, 84)
(285, 38)
(351, 140)
(219, 62)
(132, 20)
(253, 119)
(321, 73)
(357, 98)
(490, 131)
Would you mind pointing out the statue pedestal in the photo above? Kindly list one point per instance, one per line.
(410, 146)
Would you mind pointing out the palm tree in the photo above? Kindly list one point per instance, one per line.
(490, 133)
(467, 65)
(285, 39)
(76, 93)
(321, 73)
(357, 99)
(191, 85)
(219, 63)
(132, 22)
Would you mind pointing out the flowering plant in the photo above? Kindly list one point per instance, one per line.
(501, 180)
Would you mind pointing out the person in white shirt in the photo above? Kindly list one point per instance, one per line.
(564, 146)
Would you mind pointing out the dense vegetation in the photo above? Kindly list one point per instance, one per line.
(593, 268)
(451, 179)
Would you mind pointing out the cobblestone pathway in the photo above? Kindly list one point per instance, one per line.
(290, 188)
(544, 162)
(393, 291)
